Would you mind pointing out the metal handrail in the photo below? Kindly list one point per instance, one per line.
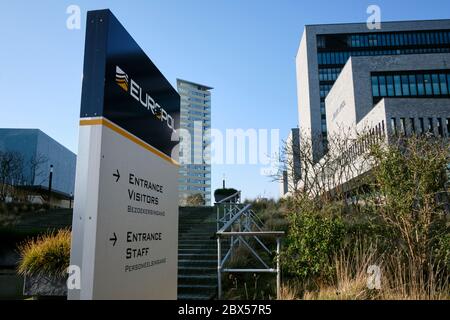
(247, 221)
(234, 195)
(233, 219)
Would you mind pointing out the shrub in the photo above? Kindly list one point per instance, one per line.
(310, 244)
(195, 200)
(409, 175)
(48, 254)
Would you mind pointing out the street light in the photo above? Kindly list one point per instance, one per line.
(50, 184)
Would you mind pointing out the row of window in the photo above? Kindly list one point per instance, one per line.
(373, 136)
(185, 105)
(411, 84)
(195, 174)
(399, 39)
(406, 126)
(325, 89)
(329, 74)
(190, 180)
(198, 167)
(199, 113)
(341, 57)
(363, 143)
(196, 100)
(192, 188)
(190, 104)
(186, 92)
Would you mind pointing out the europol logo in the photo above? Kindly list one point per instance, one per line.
(136, 91)
(122, 78)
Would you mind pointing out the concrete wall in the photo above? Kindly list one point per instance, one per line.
(354, 87)
(340, 103)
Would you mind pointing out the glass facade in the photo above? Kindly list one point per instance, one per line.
(34, 146)
(333, 51)
(195, 139)
(414, 84)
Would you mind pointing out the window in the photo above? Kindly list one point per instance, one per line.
(412, 85)
(403, 126)
(390, 86)
(428, 86)
(405, 85)
(421, 125)
(448, 82)
(398, 86)
(439, 126)
(320, 42)
(394, 125)
(412, 125)
(420, 85)
(375, 89)
(383, 90)
(443, 84)
(430, 128)
(436, 84)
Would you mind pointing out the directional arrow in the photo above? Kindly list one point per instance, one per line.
(117, 175)
(114, 239)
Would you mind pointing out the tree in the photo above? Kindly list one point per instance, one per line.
(411, 179)
(334, 174)
(36, 166)
(195, 200)
(11, 168)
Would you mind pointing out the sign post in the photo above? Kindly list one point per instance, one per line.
(125, 221)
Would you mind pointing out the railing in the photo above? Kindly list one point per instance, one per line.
(238, 222)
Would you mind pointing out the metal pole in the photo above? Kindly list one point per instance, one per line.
(217, 217)
(219, 267)
(278, 269)
(50, 178)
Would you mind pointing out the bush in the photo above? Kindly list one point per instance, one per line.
(47, 255)
(409, 176)
(311, 242)
(195, 200)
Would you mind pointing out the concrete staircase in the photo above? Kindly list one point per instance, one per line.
(197, 254)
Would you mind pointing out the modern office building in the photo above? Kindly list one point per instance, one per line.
(379, 98)
(283, 183)
(38, 154)
(325, 49)
(195, 141)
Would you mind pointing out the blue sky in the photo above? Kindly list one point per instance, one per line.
(244, 49)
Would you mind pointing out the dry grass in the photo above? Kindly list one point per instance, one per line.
(400, 280)
(48, 254)
(289, 291)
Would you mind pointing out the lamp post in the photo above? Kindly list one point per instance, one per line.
(50, 178)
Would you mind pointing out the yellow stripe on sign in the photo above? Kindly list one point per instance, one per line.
(127, 135)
